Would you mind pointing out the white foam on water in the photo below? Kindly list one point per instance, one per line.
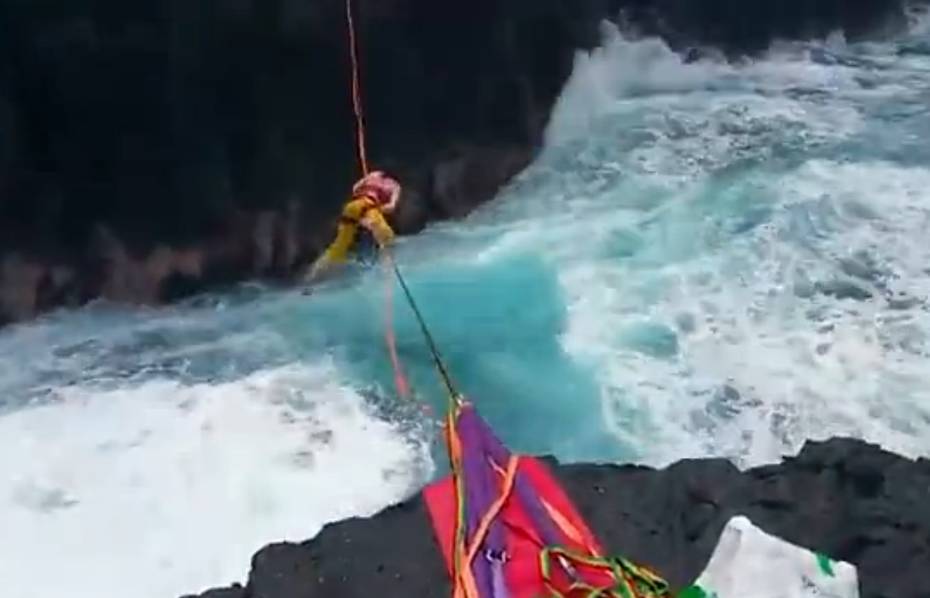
(763, 361)
(751, 359)
(163, 489)
(646, 75)
(602, 79)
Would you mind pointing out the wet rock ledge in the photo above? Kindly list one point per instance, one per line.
(843, 497)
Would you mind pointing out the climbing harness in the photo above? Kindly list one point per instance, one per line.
(505, 527)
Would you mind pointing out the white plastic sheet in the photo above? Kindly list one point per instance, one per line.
(749, 563)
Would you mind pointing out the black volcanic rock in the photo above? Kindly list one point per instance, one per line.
(738, 27)
(845, 498)
(150, 149)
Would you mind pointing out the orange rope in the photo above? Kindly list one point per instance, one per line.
(356, 91)
(400, 381)
(403, 387)
(463, 584)
(494, 510)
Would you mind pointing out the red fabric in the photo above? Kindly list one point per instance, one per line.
(524, 576)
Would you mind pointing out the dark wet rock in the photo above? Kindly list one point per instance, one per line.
(20, 280)
(157, 148)
(742, 27)
(850, 500)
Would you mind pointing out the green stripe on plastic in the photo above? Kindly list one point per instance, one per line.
(694, 591)
(826, 564)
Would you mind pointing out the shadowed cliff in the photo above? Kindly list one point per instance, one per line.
(152, 149)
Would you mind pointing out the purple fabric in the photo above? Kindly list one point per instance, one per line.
(494, 450)
(479, 489)
(537, 513)
(525, 493)
(500, 585)
(479, 447)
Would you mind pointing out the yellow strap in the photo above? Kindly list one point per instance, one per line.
(566, 526)
(465, 586)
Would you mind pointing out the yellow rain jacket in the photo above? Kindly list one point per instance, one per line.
(360, 211)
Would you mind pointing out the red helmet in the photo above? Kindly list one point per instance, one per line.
(377, 186)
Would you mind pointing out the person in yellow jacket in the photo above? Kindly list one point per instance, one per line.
(373, 197)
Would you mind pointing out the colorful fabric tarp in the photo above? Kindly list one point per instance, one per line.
(507, 529)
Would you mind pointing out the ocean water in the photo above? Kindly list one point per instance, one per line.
(706, 260)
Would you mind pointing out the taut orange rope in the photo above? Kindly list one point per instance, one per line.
(400, 381)
(356, 91)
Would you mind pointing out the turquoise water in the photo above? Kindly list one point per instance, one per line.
(706, 260)
(497, 326)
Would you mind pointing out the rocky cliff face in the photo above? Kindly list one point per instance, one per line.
(150, 149)
(155, 147)
(749, 27)
(844, 498)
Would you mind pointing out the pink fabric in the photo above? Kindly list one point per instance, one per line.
(378, 186)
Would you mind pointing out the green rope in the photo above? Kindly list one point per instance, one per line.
(630, 580)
